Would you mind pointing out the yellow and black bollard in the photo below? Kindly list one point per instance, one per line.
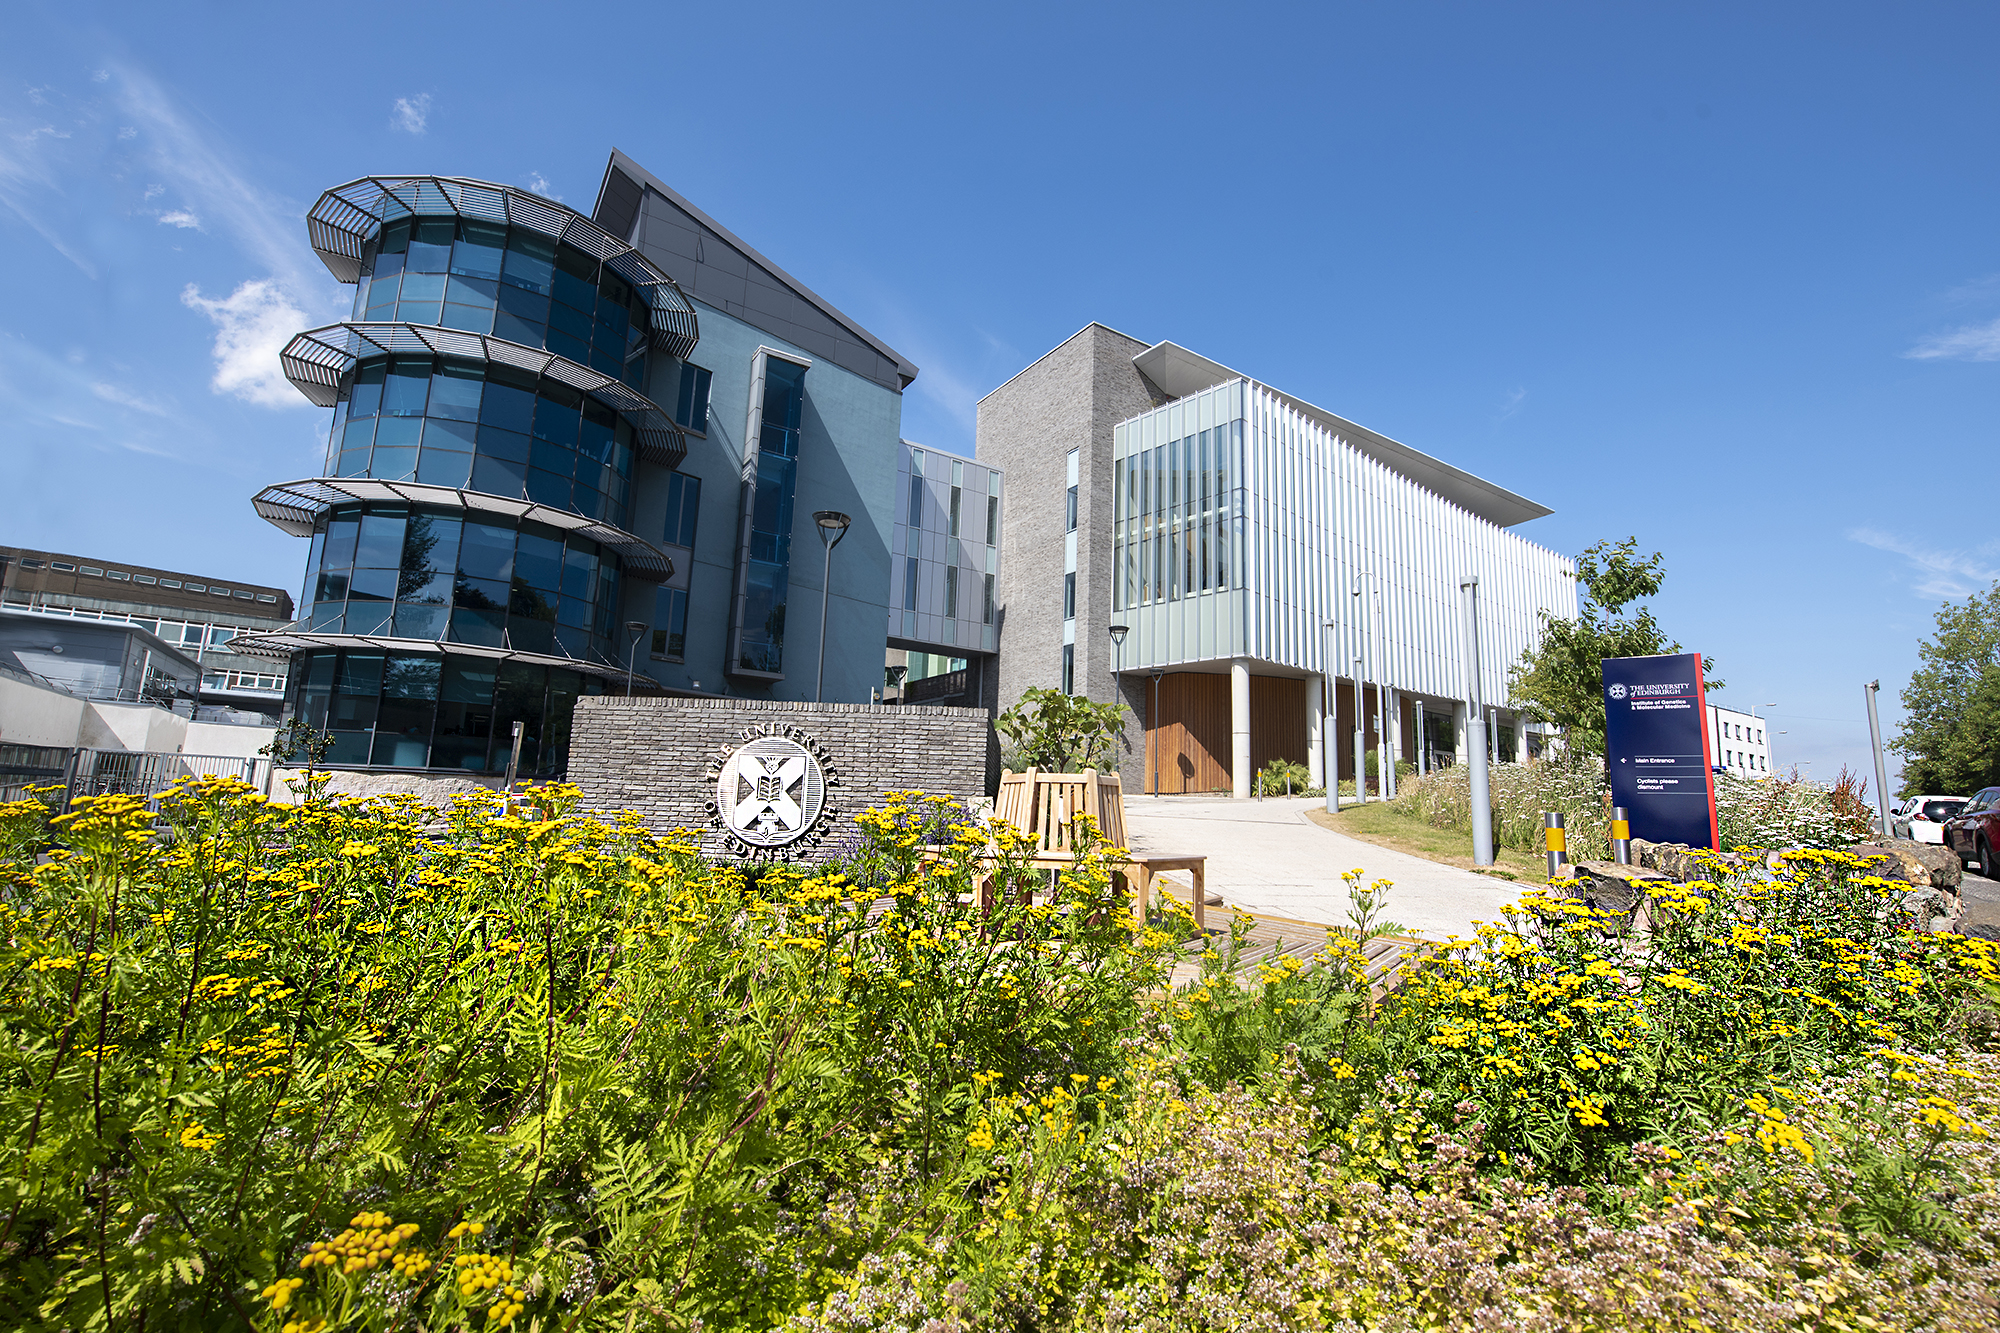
(1621, 836)
(1555, 840)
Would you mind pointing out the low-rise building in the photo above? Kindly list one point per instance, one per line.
(943, 630)
(1739, 743)
(193, 615)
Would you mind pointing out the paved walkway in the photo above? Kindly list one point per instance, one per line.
(1266, 856)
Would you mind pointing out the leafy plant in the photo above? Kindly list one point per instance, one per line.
(1561, 679)
(1061, 733)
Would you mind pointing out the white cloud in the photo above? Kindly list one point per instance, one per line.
(411, 114)
(1939, 574)
(180, 217)
(1974, 342)
(252, 324)
(540, 185)
(1512, 403)
(111, 393)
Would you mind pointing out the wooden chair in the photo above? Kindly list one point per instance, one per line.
(1044, 807)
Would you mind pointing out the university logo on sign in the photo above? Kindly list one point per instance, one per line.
(771, 792)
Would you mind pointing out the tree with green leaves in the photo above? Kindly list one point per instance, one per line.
(1560, 681)
(1950, 736)
(1063, 733)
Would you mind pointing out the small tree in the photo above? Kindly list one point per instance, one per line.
(297, 740)
(1064, 733)
(1560, 680)
(1950, 737)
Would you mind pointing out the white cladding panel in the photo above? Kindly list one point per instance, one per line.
(1242, 526)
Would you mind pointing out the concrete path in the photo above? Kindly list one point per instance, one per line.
(1266, 856)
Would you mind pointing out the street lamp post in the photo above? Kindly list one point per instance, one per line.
(832, 527)
(1118, 633)
(1329, 747)
(1475, 728)
(637, 629)
(1157, 673)
(1881, 772)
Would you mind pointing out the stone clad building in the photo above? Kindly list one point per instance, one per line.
(1260, 553)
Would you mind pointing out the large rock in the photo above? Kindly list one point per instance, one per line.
(1606, 886)
(1678, 861)
(438, 793)
(1919, 863)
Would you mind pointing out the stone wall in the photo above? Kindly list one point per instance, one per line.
(661, 756)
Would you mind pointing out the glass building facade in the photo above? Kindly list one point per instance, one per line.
(485, 427)
(433, 620)
(438, 710)
(460, 577)
(760, 629)
(513, 282)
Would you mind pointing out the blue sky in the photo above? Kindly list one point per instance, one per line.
(1723, 277)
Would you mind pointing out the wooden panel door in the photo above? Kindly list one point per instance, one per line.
(1187, 733)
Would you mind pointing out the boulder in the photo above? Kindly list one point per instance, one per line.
(1607, 886)
(437, 793)
(1912, 862)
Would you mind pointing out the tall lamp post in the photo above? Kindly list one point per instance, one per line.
(1118, 633)
(1330, 711)
(832, 527)
(1881, 773)
(637, 629)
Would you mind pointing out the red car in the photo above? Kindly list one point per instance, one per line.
(1975, 830)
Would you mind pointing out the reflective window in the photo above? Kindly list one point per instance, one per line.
(670, 611)
(1069, 596)
(690, 402)
(512, 282)
(488, 428)
(419, 710)
(760, 633)
(461, 578)
(683, 507)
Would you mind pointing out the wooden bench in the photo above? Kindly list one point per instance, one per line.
(1043, 807)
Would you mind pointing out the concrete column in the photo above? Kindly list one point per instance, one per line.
(1315, 724)
(1239, 728)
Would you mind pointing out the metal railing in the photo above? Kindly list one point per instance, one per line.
(144, 773)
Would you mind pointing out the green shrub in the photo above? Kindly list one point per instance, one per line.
(317, 1069)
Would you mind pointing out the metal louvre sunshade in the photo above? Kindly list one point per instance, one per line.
(348, 216)
(317, 360)
(280, 644)
(295, 507)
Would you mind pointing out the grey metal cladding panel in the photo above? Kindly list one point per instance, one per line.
(670, 234)
(719, 288)
(618, 205)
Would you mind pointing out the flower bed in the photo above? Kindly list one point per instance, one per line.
(305, 1068)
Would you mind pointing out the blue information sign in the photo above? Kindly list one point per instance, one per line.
(1656, 747)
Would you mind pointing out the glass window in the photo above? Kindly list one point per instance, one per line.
(683, 507)
(910, 584)
(1069, 668)
(951, 590)
(1069, 597)
(486, 552)
(691, 404)
(955, 493)
(670, 623)
(992, 520)
(760, 633)
(1070, 510)
(917, 501)
(989, 600)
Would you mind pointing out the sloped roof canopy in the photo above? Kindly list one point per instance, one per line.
(348, 216)
(295, 507)
(715, 266)
(297, 637)
(1180, 372)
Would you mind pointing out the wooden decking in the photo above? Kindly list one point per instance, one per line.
(1269, 938)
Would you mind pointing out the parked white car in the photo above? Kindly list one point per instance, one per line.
(1921, 818)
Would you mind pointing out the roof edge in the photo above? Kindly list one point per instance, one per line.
(620, 161)
(1488, 500)
(1093, 324)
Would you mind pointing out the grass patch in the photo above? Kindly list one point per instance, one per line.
(1385, 826)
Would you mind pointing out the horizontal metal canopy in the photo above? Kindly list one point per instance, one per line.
(298, 638)
(296, 506)
(317, 360)
(348, 216)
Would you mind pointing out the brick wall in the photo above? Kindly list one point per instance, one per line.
(654, 755)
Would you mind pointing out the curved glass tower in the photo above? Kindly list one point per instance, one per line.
(470, 526)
